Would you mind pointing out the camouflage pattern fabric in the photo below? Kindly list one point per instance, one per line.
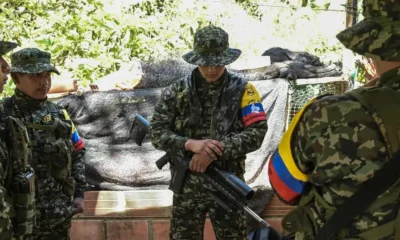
(189, 213)
(31, 60)
(53, 206)
(339, 146)
(378, 34)
(187, 109)
(6, 47)
(5, 221)
(211, 48)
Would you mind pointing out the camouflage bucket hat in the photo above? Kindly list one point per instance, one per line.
(6, 47)
(31, 60)
(211, 48)
(378, 34)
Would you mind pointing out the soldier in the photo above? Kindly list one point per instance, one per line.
(56, 147)
(208, 116)
(5, 218)
(337, 146)
(5, 47)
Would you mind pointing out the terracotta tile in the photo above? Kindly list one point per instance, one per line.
(160, 229)
(276, 208)
(87, 229)
(275, 223)
(148, 212)
(127, 230)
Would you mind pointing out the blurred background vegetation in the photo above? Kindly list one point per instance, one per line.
(91, 38)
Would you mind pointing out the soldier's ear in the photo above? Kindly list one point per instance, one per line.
(15, 78)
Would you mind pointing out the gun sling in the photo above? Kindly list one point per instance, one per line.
(384, 178)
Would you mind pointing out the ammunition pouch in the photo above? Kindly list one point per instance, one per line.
(58, 150)
(59, 155)
(23, 199)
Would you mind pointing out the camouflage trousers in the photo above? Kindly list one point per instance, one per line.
(189, 213)
(60, 233)
(53, 218)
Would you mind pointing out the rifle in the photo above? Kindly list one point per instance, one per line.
(232, 193)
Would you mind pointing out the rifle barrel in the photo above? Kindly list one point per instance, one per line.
(255, 216)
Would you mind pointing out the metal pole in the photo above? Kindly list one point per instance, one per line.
(255, 216)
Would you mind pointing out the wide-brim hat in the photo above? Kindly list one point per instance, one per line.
(31, 60)
(6, 47)
(378, 34)
(211, 48)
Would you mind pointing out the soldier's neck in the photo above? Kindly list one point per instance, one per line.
(384, 66)
(24, 101)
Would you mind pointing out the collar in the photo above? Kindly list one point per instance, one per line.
(390, 78)
(24, 101)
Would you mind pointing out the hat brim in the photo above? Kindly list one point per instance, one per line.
(35, 68)
(7, 47)
(374, 37)
(225, 58)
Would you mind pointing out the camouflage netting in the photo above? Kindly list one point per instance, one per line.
(300, 94)
(114, 162)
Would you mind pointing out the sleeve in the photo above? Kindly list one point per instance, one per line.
(162, 124)
(5, 221)
(327, 145)
(288, 165)
(77, 167)
(254, 120)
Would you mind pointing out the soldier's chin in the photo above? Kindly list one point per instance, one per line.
(211, 78)
(42, 94)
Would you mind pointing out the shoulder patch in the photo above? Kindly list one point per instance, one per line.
(285, 177)
(252, 109)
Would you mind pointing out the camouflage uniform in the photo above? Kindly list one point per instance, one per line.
(5, 221)
(192, 108)
(337, 144)
(56, 154)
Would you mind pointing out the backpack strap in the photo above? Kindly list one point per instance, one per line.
(382, 103)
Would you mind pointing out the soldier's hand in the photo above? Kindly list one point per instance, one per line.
(207, 146)
(77, 206)
(200, 162)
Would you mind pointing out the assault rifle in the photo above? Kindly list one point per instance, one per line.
(231, 192)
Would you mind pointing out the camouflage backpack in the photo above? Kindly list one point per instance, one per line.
(19, 176)
(382, 102)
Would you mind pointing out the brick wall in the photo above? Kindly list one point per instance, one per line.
(141, 215)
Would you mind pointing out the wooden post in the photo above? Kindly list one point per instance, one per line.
(351, 12)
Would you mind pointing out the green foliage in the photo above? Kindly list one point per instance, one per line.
(251, 7)
(90, 38)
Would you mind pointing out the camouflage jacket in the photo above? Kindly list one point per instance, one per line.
(336, 146)
(5, 221)
(229, 111)
(51, 201)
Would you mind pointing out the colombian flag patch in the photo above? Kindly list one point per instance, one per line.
(75, 138)
(251, 108)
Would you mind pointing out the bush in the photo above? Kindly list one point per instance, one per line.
(91, 38)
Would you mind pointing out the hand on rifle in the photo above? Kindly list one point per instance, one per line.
(209, 147)
(200, 162)
(78, 205)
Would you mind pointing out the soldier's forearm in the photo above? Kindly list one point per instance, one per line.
(169, 142)
(78, 173)
(249, 140)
